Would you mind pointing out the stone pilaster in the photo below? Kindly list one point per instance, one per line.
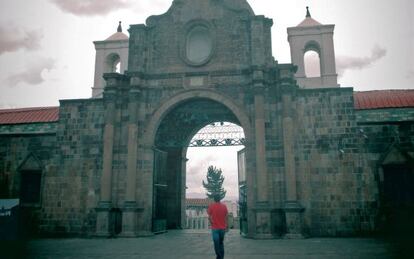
(263, 216)
(263, 212)
(289, 155)
(293, 210)
(145, 193)
(102, 219)
(105, 203)
(294, 220)
(130, 208)
(259, 124)
(130, 214)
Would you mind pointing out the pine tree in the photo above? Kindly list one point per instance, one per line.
(214, 185)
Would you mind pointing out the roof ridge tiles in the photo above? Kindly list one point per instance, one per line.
(29, 115)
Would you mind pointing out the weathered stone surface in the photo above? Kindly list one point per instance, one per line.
(315, 150)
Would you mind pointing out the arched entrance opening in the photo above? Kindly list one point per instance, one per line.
(217, 145)
(172, 139)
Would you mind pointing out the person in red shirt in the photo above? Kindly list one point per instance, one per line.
(217, 215)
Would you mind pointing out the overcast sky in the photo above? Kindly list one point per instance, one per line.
(47, 54)
(46, 50)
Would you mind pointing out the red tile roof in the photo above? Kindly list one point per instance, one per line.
(29, 115)
(198, 202)
(383, 99)
(362, 101)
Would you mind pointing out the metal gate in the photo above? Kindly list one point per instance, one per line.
(159, 214)
(241, 166)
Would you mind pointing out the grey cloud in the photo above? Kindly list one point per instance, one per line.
(410, 74)
(200, 159)
(196, 171)
(201, 163)
(194, 180)
(90, 7)
(344, 63)
(8, 105)
(160, 3)
(196, 175)
(13, 39)
(33, 73)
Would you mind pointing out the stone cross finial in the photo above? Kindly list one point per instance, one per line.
(307, 12)
(119, 27)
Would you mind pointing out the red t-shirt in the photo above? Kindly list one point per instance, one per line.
(218, 214)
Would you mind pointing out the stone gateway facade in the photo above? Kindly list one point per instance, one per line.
(320, 160)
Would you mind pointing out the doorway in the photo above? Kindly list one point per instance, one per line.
(173, 137)
(217, 145)
(398, 199)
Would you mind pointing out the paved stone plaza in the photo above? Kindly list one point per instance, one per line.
(184, 244)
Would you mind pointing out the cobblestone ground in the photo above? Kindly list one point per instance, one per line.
(195, 245)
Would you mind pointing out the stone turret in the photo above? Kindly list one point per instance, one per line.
(111, 56)
(311, 35)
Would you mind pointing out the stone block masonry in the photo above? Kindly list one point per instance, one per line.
(315, 166)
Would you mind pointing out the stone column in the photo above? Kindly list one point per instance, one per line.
(145, 193)
(105, 203)
(293, 210)
(259, 124)
(262, 208)
(130, 208)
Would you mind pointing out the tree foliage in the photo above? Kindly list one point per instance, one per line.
(214, 184)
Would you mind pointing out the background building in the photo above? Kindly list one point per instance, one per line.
(197, 217)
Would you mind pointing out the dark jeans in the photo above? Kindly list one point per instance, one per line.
(218, 238)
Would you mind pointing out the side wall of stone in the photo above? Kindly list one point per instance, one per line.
(338, 152)
(338, 160)
(15, 149)
(71, 187)
(377, 140)
(335, 186)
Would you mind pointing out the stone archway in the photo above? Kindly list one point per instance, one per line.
(182, 116)
(170, 103)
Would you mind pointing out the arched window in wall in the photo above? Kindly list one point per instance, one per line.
(312, 64)
(30, 181)
(312, 59)
(113, 63)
